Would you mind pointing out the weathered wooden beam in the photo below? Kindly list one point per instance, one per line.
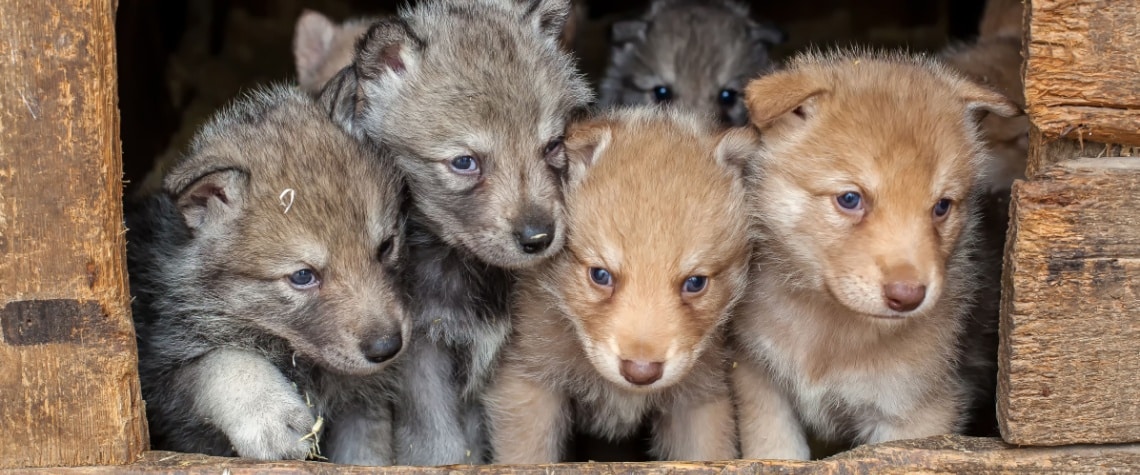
(1069, 358)
(69, 391)
(1081, 69)
(934, 455)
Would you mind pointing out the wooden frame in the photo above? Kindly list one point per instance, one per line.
(1070, 357)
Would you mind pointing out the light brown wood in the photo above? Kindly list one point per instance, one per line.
(1045, 152)
(1081, 70)
(934, 455)
(1069, 358)
(69, 392)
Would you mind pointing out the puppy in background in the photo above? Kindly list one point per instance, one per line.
(627, 323)
(322, 47)
(693, 54)
(264, 277)
(864, 274)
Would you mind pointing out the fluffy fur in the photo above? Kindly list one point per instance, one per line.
(698, 50)
(855, 327)
(234, 358)
(655, 198)
(473, 97)
(321, 47)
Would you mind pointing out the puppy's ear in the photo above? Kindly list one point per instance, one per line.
(782, 95)
(312, 40)
(548, 16)
(982, 99)
(739, 149)
(209, 193)
(585, 143)
(341, 100)
(385, 56)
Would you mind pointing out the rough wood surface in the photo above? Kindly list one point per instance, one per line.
(1069, 359)
(1082, 68)
(69, 390)
(1045, 152)
(934, 455)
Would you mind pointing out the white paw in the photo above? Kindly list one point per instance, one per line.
(275, 432)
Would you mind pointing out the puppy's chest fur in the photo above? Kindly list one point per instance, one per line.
(459, 304)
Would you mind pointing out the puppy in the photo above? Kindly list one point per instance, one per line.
(693, 54)
(863, 273)
(626, 323)
(321, 47)
(473, 97)
(265, 294)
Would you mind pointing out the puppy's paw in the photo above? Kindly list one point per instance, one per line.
(276, 431)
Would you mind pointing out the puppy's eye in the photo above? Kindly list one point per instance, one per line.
(662, 94)
(552, 146)
(304, 279)
(695, 284)
(465, 165)
(850, 201)
(942, 208)
(384, 250)
(601, 277)
(728, 97)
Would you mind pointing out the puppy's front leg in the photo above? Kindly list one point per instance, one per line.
(769, 428)
(697, 430)
(249, 400)
(938, 417)
(528, 422)
(362, 435)
(428, 425)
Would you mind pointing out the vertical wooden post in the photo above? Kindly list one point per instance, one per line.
(1069, 364)
(69, 391)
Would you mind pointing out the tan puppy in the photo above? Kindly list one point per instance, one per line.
(862, 273)
(626, 323)
(321, 47)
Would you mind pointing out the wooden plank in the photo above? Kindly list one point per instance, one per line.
(1044, 152)
(69, 392)
(934, 455)
(1070, 323)
(1080, 75)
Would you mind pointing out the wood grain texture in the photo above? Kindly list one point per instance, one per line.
(69, 392)
(1082, 68)
(1044, 152)
(935, 455)
(1069, 357)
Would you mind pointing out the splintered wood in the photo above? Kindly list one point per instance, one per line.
(1069, 365)
(1082, 69)
(69, 389)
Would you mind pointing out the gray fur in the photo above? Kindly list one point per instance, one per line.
(695, 48)
(444, 79)
(233, 359)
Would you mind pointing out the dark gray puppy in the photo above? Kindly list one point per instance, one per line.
(695, 54)
(265, 284)
(473, 97)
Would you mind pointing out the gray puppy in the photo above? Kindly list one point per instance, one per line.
(473, 97)
(694, 54)
(264, 276)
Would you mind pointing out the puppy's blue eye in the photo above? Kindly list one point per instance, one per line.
(662, 94)
(728, 97)
(601, 277)
(465, 165)
(304, 279)
(942, 207)
(850, 200)
(695, 284)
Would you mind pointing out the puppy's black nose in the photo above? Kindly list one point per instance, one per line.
(535, 238)
(383, 349)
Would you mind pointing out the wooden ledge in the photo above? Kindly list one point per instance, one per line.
(946, 454)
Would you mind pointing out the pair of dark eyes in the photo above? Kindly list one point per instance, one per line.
(307, 278)
(469, 165)
(727, 96)
(693, 285)
(853, 201)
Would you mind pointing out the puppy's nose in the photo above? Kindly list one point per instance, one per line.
(535, 237)
(904, 296)
(641, 373)
(382, 349)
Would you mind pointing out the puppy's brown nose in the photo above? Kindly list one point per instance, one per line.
(641, 373)
(904, 296)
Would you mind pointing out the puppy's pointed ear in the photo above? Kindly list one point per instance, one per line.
(386, 54)
(312, 40)
(739, 150)
(782, 95)
(982, 99)
(548, 16)
(208, 193)
(585, 143)
(340, 99)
